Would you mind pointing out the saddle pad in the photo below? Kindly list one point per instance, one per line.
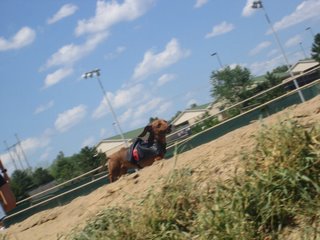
(141, 150)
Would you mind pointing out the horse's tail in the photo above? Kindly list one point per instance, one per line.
(104, 164)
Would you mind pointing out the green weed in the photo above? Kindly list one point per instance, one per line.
(279, 188)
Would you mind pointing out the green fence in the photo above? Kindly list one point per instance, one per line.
(64, 199)
(245, 119)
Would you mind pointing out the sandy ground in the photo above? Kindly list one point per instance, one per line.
(217, 159)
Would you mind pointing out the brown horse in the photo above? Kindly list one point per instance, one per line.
(119, 162)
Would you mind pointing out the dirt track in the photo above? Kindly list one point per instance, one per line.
(217, 159)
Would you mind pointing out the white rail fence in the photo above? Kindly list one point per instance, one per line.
(172, 145)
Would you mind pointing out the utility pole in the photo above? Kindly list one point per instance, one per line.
(22, 151)
(10, 154)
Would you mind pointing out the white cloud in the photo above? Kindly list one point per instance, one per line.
(200, 3)
(44, 107)
(138, 123)
(248, 10)
(306, 10)
(44, 156)
(69, 54)
(7, 162)
(147, 107)
(259, 68)
(70, 118)
(259, 48)
(165, 78)
(34, 143)
(22, 38)
(154, 107)
(119, 50)
(163, 108)
(273, 52)
(90, 141)
(189, 95)
(127, 115)
(140, 104)
(103, 132)
(234, 65)
(65, 11)
(125, 96)
(120, 99)
(220, 29)
(57, 76)
(294, 41)
(153, 63)
(111, 12)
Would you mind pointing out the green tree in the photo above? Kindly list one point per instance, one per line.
(88, 159)
(231, 85)
(315, 50)
(41, 176)
(193, 105)
(272, 79)
(65, 169)
(280, 69)
(20, 183)
(205, 124)
(53, 168)
(62, 169)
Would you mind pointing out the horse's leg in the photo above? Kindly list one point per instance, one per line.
(114, 170)
(123, 170)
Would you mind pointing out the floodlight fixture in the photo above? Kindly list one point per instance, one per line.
(219, 60)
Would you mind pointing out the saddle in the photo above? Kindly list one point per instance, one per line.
(141, 150)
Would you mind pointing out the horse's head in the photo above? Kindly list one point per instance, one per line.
(157, 130)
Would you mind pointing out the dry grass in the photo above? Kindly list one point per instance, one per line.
(279, 190)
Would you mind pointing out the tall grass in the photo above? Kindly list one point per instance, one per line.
(279, 188)
(284, 174)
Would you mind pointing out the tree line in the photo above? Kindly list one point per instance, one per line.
(230, 86)
(235, 85)
(62, 169)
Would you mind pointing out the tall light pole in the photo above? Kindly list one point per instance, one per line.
(258, 4)
(311, 32)
(302, 49)
(96, 73)
(219, 60)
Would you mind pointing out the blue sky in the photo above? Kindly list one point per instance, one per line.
(154, 57)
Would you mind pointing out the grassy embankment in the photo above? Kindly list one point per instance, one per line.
(279, 191)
